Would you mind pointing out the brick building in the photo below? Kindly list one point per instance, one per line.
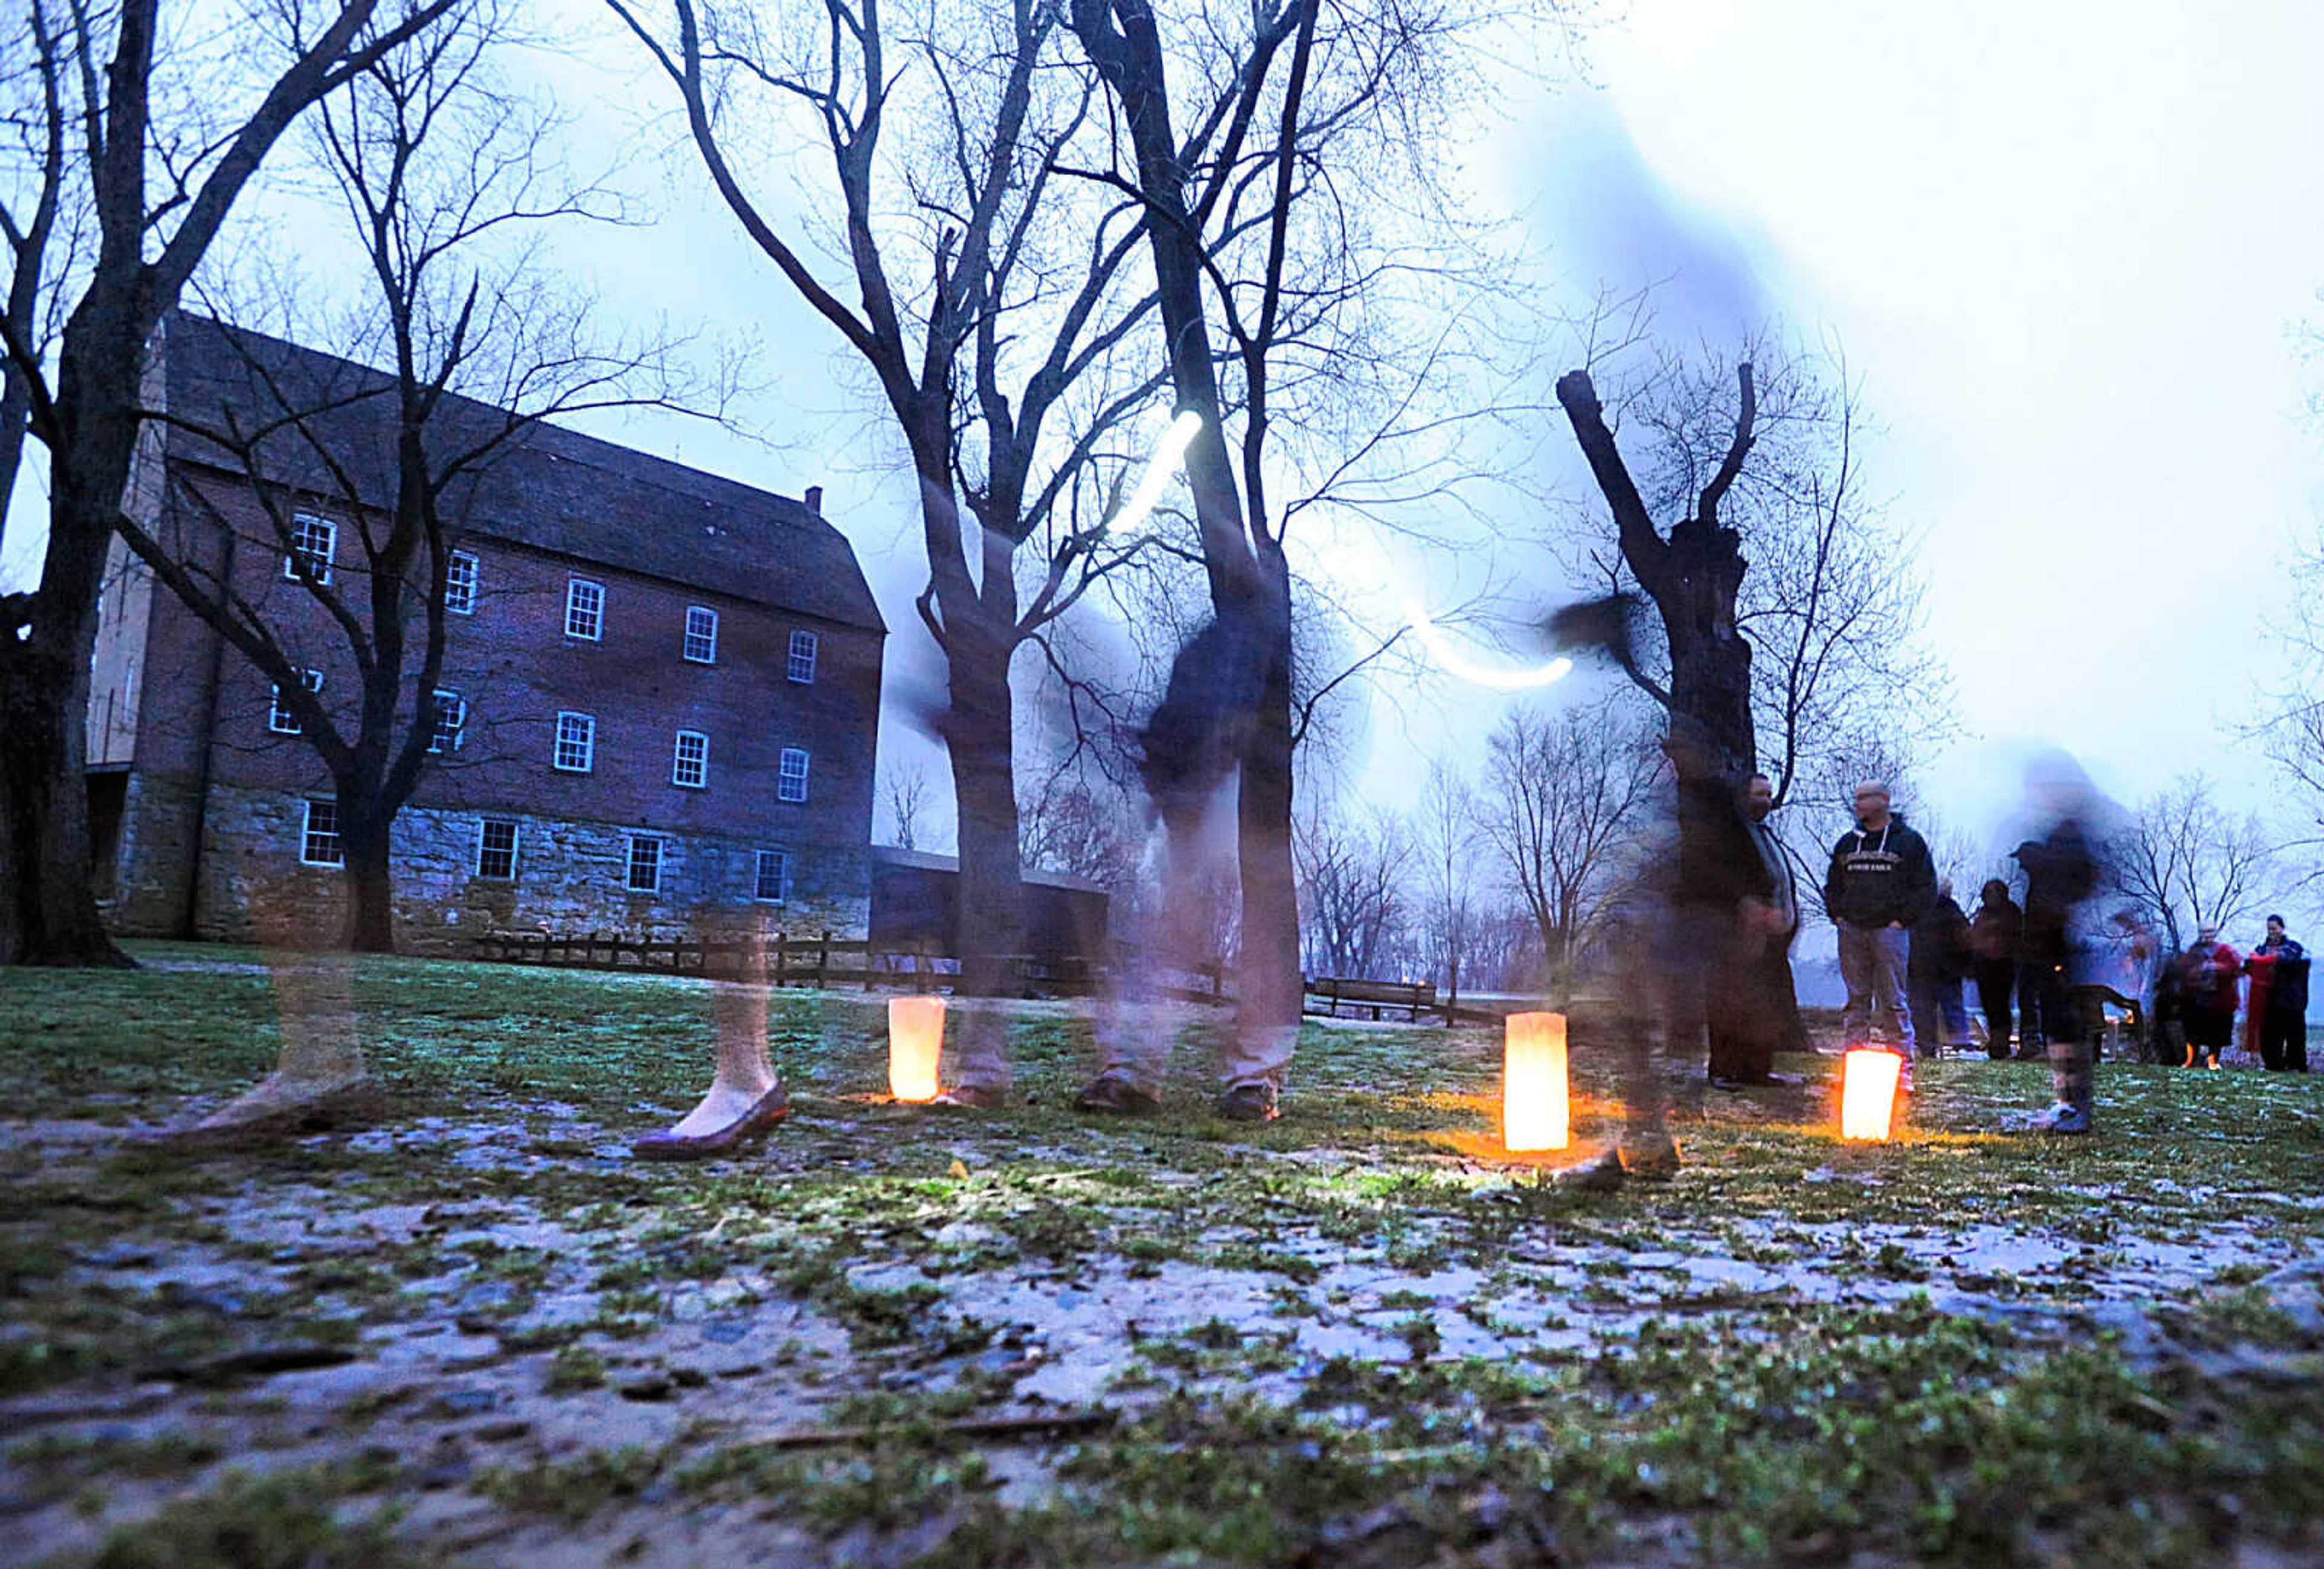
(658, 709)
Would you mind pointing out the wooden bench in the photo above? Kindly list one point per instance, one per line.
(1415, 997)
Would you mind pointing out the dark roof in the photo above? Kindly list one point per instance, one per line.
(924, 861)
(552, 489)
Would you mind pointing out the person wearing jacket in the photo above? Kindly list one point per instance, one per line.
(2207, 996)
(2278, 1010)
(1754, 1012)
(1940, 961)
(1994, 935)
(1880, 883)
(2062, 872)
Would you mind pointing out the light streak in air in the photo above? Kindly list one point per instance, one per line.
(1171, 450)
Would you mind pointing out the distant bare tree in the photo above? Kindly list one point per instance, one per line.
(1353, 879)
(1448, 844)
(160, 172)
(434, 159)
(1562, 796)
(908, 800)
(1076, 820)
(2186, 862)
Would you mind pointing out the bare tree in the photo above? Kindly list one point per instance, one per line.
(159, 176)
(1268, 188)
(434, 159)
(1353, 877)
(908, 801)
(2186, 862)
(1803, 658)
(993, 307)
(1448, 844)
(1562, 795)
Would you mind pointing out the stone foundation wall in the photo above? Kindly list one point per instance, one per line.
(570, 877)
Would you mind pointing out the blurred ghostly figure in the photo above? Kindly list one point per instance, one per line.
(2060, 874)
(746, 1098)
(1700, 901)
(320, 1081)
(1194, 743)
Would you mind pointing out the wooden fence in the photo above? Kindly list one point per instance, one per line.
(821, 961)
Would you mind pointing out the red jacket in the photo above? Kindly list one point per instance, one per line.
(2209, 977)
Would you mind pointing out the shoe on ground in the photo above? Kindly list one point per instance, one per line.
(1114, 1095)
(745, 1130)
(2061, 1119)
(972, 1097)
(1602, 1173)
(1253, 1102)
(277, 1109)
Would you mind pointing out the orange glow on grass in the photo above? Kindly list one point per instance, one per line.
(1534, 1111)
(915, 1045)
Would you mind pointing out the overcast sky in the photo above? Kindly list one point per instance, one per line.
(2068, 261)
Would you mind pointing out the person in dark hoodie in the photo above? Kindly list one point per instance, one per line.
(1881, 882)
(2280, 1000)
(1994, 934)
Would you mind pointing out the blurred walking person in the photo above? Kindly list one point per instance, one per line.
(1753, 1010)
(1994, 934)
(2060, 872)
(2277, 1013)
(1880, 883)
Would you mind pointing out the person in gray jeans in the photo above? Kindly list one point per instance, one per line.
(1880, 883)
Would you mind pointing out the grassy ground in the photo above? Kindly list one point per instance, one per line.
(482, 1335)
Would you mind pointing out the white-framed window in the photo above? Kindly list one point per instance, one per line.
(313, 540)
(460, 583)
(585, 609)
(281, 720)
(576, 743)
(645, 864)
(318, 837)
(701, 635)
(790, 777)
(497, 851)
(800, 666)
(691, 765)
(451, 721)
(772, 875)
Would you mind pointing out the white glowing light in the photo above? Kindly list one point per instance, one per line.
(1168, 452)
(1443, 650)
(1171, 450)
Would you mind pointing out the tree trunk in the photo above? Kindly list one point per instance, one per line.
(48, 913)
(369, 875)
(1270, 986)
(979, 734)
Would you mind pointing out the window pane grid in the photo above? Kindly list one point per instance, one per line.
(691, 766)
(313, 542)
(801, 667)
(584, 610)
(645, 865)
(576, 743)
(460, 584)
(772, 872)
(791, 778)
(281, 720)
(318, 841)
(496, 852)
(701, 635)
(451, 720)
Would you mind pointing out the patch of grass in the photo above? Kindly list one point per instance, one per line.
(282, 1521)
